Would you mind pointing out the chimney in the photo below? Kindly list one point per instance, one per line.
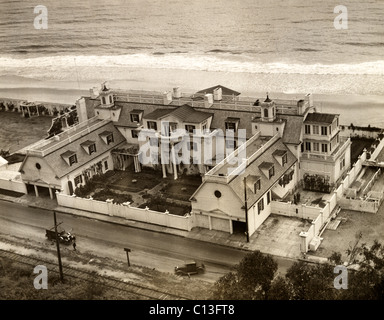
(217, 94)
(309, 98)
(94, 92)
(167, 97)
(208, 100)
(300, 106)
(177, 92)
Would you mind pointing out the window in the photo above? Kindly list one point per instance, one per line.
(315, 129)
(92, 148)
(38, 166)
(230, 126)
(72, 159)
(204, 127)
(104, 102)
(302, 147)
(189, 128)
(152, 125)
(324, 147)
(257, 185)
(78, 180)
(265, 113)
(153, 142)
(173, 126)
(109, 138)
(260, 205)
(110, 99)
(135, 117)
(316, 146)
(217, 194)
(105, 165)
(271, 172)
(268, 197)
(230, 144)
(307, 129)
(192, 145)
(308, 146)
(285, 159)
(324, 131)
(135, 133)
(342, 163)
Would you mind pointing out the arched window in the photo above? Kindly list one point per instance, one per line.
(110, 99)
(265, 113)
(104, 102)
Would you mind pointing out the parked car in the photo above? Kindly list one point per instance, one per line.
(190, 267)
(64, 236)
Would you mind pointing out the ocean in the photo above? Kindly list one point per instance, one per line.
(253, 46)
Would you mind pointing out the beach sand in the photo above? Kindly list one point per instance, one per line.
(360, 110)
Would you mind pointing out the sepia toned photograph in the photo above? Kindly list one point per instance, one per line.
(191, 154)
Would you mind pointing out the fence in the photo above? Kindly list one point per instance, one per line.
(13, 185)
(126, 211)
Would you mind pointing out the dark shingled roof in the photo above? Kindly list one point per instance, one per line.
(61, 168)
(253, 169)
(224, 90)
(157, 114)
(320, 117)
(292, 129)
(187, 114)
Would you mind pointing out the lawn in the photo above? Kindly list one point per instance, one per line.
(182, 188)
(132, 181)
(17, 132)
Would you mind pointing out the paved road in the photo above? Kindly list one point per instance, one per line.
(151, 249)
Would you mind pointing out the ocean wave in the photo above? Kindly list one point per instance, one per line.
(192, 62)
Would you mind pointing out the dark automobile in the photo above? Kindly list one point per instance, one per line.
(190, 267)
(64, 236)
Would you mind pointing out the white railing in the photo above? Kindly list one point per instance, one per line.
(66, 137)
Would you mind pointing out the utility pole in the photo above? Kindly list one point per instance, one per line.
(246, 208)
(58, 248)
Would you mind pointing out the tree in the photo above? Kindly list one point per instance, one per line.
(251, 280)
(280, 289)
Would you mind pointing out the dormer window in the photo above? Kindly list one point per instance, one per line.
(72, 159)
(271, 172)
(89, 146)
(69, 157)
(232, 124)
(253, 183)
(281, 157)
(152, 125)
(136, 115)
(285, 159)
(92, 148)
(268, 169)
(110, 138)
(107, 137)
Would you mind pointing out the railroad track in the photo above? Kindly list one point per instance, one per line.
(145, 292)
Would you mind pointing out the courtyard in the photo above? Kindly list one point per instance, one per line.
(143, 189)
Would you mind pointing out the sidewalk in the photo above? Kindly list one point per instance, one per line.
(278, 236)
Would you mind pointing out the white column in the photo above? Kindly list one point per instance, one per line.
(50, 192)
(174, 163)
(164, 170)
(36, 191)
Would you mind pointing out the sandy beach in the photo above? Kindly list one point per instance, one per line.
(353, 108)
